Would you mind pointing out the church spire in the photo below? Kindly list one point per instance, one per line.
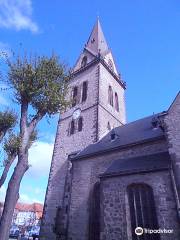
(97, 42)
(96, 46)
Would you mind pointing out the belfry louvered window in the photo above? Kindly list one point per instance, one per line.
(84, 91)
(116, 102)
(75, 96)
(110, 96)
(142, 210)
(72, 127)
(80, 124)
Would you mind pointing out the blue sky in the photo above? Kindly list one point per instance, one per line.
(144, 37)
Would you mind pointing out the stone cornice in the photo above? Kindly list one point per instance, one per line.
(99, 59)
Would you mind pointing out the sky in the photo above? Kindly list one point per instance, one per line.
(144, 37)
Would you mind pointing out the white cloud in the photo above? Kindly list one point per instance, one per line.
(23, 197)
(17, 14)
(40, 156)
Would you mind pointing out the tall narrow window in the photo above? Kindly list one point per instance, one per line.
(80, 124)
(84, 61)
(116, 102)
(94, 230)
(75, 94)
(72, 127)
(110, 96)
(84, 92)
(142, 210)
(109, 126)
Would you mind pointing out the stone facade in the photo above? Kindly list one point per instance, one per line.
(86, 202)
(86, 173)
(114, 215)
(115, 210)
(96, 114)
(172, 125)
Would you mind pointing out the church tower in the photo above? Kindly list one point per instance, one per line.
(97, 94)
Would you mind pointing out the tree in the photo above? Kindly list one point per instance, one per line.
(11, 146)
(7, 122)
(42, 84)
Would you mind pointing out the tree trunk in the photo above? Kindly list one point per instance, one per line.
(6, 170)
(12, 196)
(22, 166)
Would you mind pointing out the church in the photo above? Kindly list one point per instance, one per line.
(111, 180)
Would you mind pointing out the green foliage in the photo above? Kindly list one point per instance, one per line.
(12, 144)
(7, 120)
(40, 81)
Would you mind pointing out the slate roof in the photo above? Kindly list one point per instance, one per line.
(97, 41)
(132, 133)
(139, 164)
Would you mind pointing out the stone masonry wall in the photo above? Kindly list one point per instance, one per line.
(86, 174)
(66, 144)
(106, 80)
(172, 124)
(115, 220)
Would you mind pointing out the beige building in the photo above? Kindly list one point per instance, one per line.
(26, 214)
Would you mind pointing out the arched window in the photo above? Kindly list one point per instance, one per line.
(109, 126)
(94, 223)
(72, 127)
(84, 92)
(116, 102)
(75, 94)
(142, 209)
(110, 96)
(84, 61)
(80, 124)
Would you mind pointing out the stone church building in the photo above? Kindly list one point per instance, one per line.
(109, 177)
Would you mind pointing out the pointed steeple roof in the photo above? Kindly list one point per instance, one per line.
(97, 42)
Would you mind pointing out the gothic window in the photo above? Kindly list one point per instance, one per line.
(109, 126)
(94, 230)
(142, 210)
(72, 127)
(80, 124)
(84, 92)
(110, 63)
(110, 96)
(75, 95)
(116, 102)
(84, 61)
